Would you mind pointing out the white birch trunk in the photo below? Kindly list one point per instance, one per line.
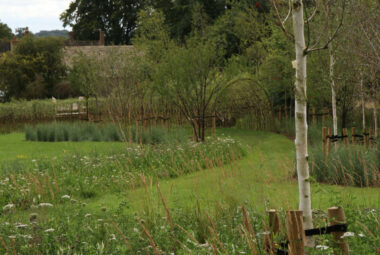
(300, 119)
(333, 94)
(374, 94)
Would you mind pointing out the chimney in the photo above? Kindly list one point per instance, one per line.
(101, 37)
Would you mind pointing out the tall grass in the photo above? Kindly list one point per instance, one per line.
(353, 165)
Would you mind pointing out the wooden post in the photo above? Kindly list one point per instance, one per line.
(345, 137)
(279, 115)
(323, 116)
(324, 141)
(295, 232)
(329, 141)
(353, 135)
(274, 229)
(370, 138)
(336, 216)
(365, 137)
(314, 117)
(214, 124)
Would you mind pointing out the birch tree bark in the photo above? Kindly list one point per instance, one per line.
(300, 118)
(332, 82)
(333, 94)
(374, 94)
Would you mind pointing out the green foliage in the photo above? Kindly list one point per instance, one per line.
(5, 32)
(33, 69)
(118, 19)
(83, 75)
(152, 34)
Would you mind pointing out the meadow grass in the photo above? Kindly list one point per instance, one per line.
(200, 211)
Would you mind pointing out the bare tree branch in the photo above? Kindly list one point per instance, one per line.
(289, 12)
(313, 14)
(331, 38)
(280, 23)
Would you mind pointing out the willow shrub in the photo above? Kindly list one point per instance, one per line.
(353, 165)
(84, 131)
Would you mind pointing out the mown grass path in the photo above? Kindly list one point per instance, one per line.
(263, 179)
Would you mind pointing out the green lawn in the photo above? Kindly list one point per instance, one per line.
(263, 179)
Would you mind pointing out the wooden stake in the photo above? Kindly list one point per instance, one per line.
(336, 216)
(345, 137)
(279, 115)
(324, 134)
(329, 141)
(365, 137)
(274, 229)
(314, 117)
(370, 138)
(353, 135)
(295, 232)
(214, 124)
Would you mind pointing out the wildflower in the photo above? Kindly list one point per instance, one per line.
(322, 247)
(65, 197)
(12, 237)
(361, 235)
(112, 237)
(49, 230)
(263, 233)
(347, 234)
(45, 205)
(87, 215)
(20, 225)
(136, 230)
(8, 207)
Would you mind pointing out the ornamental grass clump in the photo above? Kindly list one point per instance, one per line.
(79, 131)
(353, 165)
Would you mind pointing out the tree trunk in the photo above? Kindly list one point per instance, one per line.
(300, 119)
(87, 114)
(374, 100)
(333, 95)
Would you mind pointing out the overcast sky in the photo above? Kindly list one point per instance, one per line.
(36, 14)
